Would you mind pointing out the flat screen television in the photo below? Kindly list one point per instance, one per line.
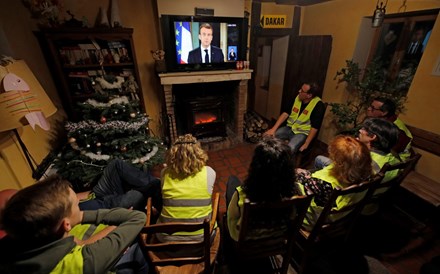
(184, 48)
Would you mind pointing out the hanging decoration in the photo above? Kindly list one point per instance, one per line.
(22, 98)
(379, 14)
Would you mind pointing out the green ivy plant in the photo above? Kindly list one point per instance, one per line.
(363, 85)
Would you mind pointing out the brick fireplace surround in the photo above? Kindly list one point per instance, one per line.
(167, 80)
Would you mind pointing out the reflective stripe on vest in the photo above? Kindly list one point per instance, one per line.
(71, 263)
(300, 123)
(85, 231)
(401, 125)
(186, 200)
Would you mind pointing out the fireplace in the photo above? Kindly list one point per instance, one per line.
(205, 116)
(208, 104)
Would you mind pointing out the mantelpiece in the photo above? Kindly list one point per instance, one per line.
(168, 80)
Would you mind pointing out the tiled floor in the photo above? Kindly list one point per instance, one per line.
(417, 246)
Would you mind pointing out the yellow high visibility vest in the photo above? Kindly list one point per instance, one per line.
(186, 200)
(401, 125)
(300, 122)
(71, 263)
(314, 210)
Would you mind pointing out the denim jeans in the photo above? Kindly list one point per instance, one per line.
(123, 185)
(321, 162)
(295, 140)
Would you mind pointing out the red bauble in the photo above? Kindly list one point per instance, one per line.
(103, 119)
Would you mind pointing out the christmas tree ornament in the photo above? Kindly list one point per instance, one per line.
(88, 146)
(72, 140)
(116, 112)
(98, 144)
(103, 120)
(124, 149)
(132, 115)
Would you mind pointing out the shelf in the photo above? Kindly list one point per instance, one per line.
(73, 55)
(90, 66)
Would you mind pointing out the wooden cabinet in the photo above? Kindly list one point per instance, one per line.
(88, 62)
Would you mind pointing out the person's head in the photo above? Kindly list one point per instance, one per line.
(5, 195)
(381, 107)
(186, 157)
(308, 91)
(379, 134)
(351, 160)
(205, 34)
(231, 50)
(42, 213)
(271, 174)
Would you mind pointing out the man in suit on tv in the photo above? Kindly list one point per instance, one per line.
(206, 53)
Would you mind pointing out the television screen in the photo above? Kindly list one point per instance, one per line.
(203, 43)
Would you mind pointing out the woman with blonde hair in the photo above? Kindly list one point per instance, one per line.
(351, 164)
(187, 185)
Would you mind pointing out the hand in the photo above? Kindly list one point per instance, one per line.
(270, 132)
(303, 147)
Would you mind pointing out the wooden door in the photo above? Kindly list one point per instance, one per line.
(307, 61)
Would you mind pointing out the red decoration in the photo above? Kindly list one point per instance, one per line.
(103, 119)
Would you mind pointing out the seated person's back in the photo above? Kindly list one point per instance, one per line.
(270, 178)
(187, 185)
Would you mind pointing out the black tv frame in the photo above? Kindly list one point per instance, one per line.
(168, 36)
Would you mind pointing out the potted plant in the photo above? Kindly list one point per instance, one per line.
(363, 85)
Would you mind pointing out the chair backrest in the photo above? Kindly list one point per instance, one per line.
(333, 223)
(187, 256)
(404, 168)
(269, 228)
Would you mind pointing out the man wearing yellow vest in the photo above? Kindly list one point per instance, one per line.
(38, 219)
(304, 120)
(386, 109)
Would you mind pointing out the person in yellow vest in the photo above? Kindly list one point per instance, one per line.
(187, 185)
(351, 164)
(386, 109)
(380, 136)
(270, 178)
(38, 219)
(304, 120)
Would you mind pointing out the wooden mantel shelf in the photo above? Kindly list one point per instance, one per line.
(204, 76)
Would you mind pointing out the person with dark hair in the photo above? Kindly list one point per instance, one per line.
(350, 164)
(187, 186)
(270, 178)
(380, 136)
(304, 120)
(38, 219)
(206, 53)
(386, 109)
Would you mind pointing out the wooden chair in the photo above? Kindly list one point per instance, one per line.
(384, 188)
(200, 256)
(277, 222)
(303, 158)
(333, 226)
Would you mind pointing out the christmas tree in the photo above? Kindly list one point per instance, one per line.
(113, 126)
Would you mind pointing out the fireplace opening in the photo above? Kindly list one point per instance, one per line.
(206, 116)
(206, 110)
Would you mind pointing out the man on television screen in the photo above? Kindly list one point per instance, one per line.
(206, 53)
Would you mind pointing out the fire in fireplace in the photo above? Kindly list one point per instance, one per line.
(206, 116)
